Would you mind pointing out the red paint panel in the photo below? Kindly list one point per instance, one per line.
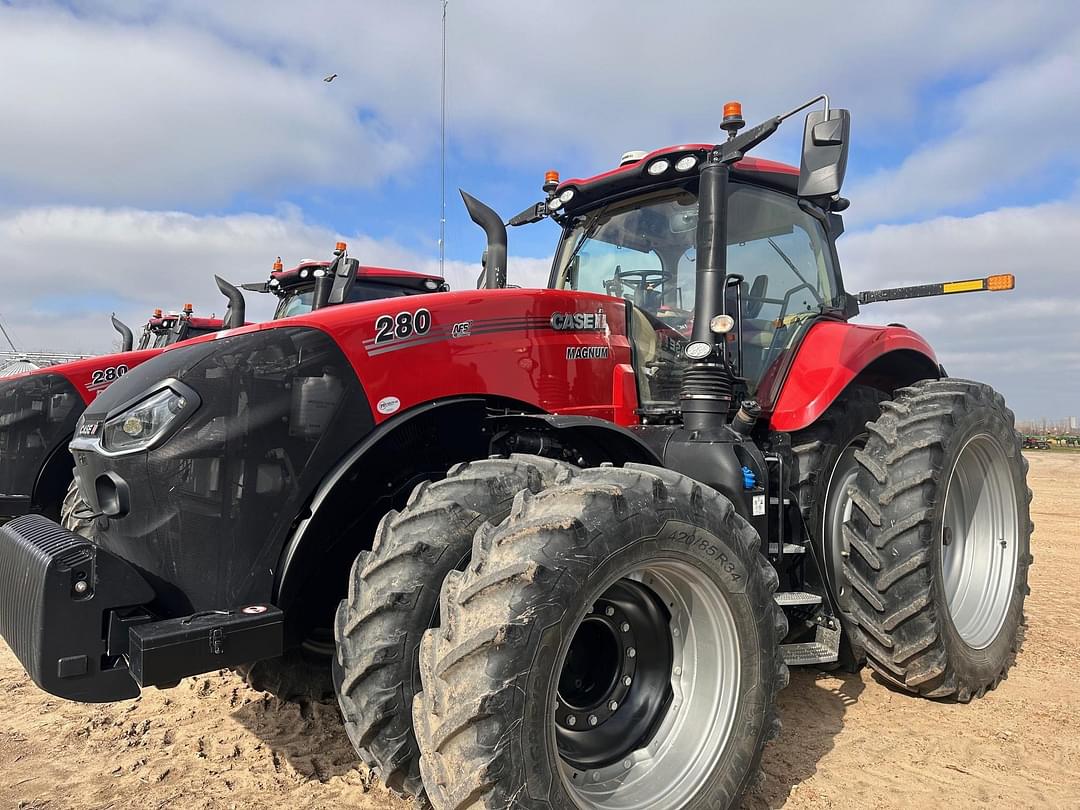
(831, 355)
(497, 343)
(90, 376)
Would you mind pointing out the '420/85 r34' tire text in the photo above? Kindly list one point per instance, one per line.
(613, 644)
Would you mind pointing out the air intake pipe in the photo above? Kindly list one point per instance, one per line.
(708, 382)
(236, 313)
(494, 275)
(127, 339)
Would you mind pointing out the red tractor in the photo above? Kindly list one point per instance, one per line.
(556, 547)
(38, 410)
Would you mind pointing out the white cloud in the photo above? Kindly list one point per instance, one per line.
(1018, 121)
(73, 266)
(105, 112)
(1026, 342)
(170, 102)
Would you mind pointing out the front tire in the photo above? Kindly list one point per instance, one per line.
(538, 651)
(75, 513)
(939, 540)
(393, 598)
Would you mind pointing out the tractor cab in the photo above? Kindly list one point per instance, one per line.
(632, 234)
(164, 329)
(308, 285)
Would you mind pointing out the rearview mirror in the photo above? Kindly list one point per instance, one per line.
(824, 152)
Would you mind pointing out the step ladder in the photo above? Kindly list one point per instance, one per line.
(825, 648)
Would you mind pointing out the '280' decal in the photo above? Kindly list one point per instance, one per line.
(402, 325)
(104, 376)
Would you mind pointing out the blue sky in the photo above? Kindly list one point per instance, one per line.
(148, 145)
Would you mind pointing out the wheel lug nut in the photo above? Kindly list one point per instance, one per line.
(82, 586)
(593, 719)
(571, 720)
(627, 764)
(613, 705)
(627, 680)
(625, 627)
(631, 652)
(609, 610)
(677, 670)
(675, 631)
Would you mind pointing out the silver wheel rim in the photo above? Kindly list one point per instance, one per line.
(671, 768)
(979, 541)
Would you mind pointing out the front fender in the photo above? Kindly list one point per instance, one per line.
(833, 354)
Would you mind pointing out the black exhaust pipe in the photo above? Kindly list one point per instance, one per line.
(127, 339)
(494, 275)
(236, 313)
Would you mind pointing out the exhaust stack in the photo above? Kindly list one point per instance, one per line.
(127, 339)
(494, 275)
(236, 312)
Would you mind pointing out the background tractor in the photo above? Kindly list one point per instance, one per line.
(38, 410)
(566, 542)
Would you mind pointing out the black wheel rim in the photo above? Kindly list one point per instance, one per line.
(615, 685)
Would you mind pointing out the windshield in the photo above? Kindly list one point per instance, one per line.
(643, 250)
(298, 302)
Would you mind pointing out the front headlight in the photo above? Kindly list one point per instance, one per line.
(143, 423)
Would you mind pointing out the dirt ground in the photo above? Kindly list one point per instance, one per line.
(848, 741)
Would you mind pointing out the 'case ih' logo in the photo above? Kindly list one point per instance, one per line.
(579, 321)
(89, 428)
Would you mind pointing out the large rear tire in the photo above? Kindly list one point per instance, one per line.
(939, 540)
(394, 597)
(613, 644)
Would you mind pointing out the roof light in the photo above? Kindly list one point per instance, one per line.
(551, 180)
(157, 313)
(633, 156)
(686, 163)
(554, 204)
(1005, 281)
(733, 120)
(566, 196)
(274, 282)
(431, 284)
(304, 273)
(188, 308)
(339, 247)
(277, 265)
(658, 167)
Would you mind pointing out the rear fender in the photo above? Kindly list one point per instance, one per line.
(835, 354)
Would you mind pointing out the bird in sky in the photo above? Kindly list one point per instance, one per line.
(330, 78)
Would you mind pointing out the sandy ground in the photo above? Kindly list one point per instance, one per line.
(848, 741)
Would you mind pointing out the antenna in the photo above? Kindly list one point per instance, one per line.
(442, 162)
(11, 343)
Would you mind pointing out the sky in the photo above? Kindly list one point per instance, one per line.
(145, 146)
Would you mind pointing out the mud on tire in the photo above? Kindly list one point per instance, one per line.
(939, 540)
(393, 598)
(493, 720)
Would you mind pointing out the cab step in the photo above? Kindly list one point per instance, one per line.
(794, 598)
(789, 548)
(824, 649)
